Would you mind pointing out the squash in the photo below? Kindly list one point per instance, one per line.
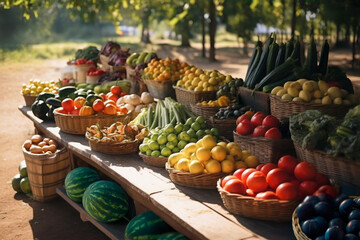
(86, 111)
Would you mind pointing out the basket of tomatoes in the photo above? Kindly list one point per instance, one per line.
(271, 191)
(74, 116)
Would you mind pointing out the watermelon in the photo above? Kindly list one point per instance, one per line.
(146, 226)
(105, 201)
(23, 169)
(25, 185)
(78, 180)
(16, 183)
(173, 236)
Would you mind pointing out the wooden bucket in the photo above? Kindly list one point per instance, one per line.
(46, 173)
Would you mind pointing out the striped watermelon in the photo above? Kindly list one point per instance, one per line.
(173, 236)
(78, 180)
(105, 201)
(146, 226)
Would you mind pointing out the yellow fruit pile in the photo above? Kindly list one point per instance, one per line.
(36, 86)
(222, 101)
(199, 80)
(304, 90)
(207, 156)
(165, 70)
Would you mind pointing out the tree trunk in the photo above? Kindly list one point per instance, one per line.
(212, 29)
(293, 20)
(203, 52)
(354, 47)
(283, 20)
(337, 34)
(145, 33)
(245, 47)
(185, 39)
(347, 35)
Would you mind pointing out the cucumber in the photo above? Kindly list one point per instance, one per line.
(253, 56)
(131, 58)
(53, 102)
(269, 87)
(296, 52)
(141, 58)
(311, 60)
(273, 52)
(323, 62)
(289, 48)
(149, 56)
(43, 96)
(280, 58)
(81, 85)
(65, 91)
(253, 66)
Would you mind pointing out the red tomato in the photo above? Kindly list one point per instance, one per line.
(270, 121)
(98, 105)
(245, 127)
(288, 163)
(273, 133)
(258, 167)
(321, 179)
(246, 174)
(266, 195)
(267, 167)
(226, 179)
(60, 110)
(68, 104)
(242, 117)
(239, 172)
(256, 181)
(111, 96)
(123, 94)
(75, 111)
(250, 192)
(260, 131)
(287, 191)
(295, 181)
(235, 186)
(277, 176)
(79, 102)
(115, 90)
(257, 119)
(326, 189)
(103, 96)
(305, 171)
(308, 187)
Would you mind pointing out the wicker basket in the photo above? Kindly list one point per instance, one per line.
(160, 90)
(268, 150)
(113, 148)
(186, 97)
(137, 85)
(299, 234)
(204, 111)
(154, 161)
(284, 109)
(29, 100)
(258, 100)
(201, 180)
(270, 210)
(75, 124)
(226, 127)
(46, 173)
(337, 168)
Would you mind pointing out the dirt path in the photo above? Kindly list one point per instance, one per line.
(22, 218)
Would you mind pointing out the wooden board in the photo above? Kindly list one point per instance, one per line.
(198, 214)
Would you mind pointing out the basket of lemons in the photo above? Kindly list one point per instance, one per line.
(34, 88)
(201, 164)
(207, 109)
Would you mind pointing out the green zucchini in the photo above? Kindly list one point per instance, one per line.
(66, 91)
(267, 88)
(253, 66)
(295, 55)
(44, 95)
(273, 52)
(311, 60)
(280, 58)
(253, 56)
(289, 48)
(323, 62)
(53, 102)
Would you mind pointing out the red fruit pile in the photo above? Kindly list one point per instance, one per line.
(81, 61)
(258, 125)
(287, 180)
(93, 71)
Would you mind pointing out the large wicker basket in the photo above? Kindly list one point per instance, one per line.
(113, 148)
(284, 109)
(337, 168)
(46, 172)
(258, 100)
(29, 100)
(268, 150)
(204, 111)
(154, 161)
(186, 97)
(137, 85)
(200, 180)
(226, 127)
(75, 124)
(299, 234)
(160, 90)
(270, 210)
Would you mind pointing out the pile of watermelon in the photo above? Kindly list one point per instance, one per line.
(20, 181)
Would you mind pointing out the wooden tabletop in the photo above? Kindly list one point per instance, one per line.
(197, 213)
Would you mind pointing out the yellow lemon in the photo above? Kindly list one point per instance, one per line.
(198, 144)
(240, 164)
(189, 149)
(218, 153)
(175, 157)
(196, 166)
(230, 157)
(183, 164)
(208, 142)
(203, 154)
(245, 154)
(213, 166)
(231, 145)
(236, 153)
(223, 144)
(193, 156)
(227, 166)
(252, 161)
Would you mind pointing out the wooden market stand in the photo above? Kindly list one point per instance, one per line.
(196, 213)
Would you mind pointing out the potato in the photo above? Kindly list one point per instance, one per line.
(41, 144)
(52, 148)
(293, 92)
(46, 140)
(36, 149)
(36, 139)
(305, 95)
(52, 142)
(27, 144)
(46, 148)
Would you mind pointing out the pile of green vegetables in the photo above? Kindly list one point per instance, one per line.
(315, 130)
(89, 53)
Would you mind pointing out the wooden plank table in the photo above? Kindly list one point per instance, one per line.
(198, 214)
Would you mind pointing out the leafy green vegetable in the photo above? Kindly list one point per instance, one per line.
(335, 74)
(352, 119)
(89, 53)
(348, 147)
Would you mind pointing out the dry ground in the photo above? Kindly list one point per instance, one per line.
(22, 218)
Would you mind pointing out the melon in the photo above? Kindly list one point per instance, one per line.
(16, 183)
(23, 169)
(25, 185)
(78, 180)
(147, 226)
(105, 201)
(173, 236)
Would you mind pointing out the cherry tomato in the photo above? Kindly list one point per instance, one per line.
(288, 163)
(287, 191)
(235, 186)
(266, 195)
(256, 181)
(246, 174)
(239, 172)
(308, 187)
(305, 171)
(226, 179)
(68, 104)
(267, 167)
(273, 133)
(277, 176)
(270, 121)
(115, 90)
(79, 102)
(98, 105)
